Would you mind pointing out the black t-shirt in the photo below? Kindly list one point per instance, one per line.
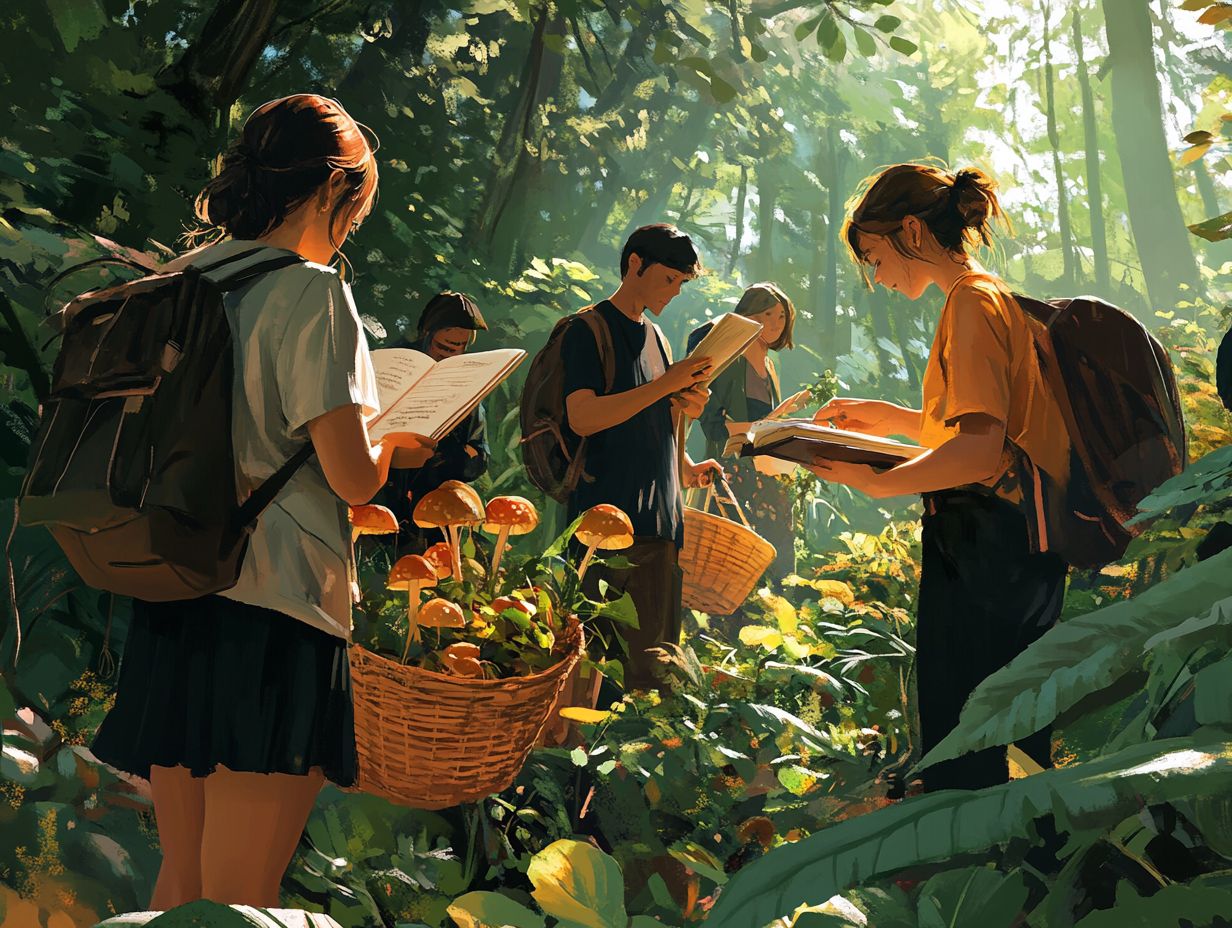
(635, 464)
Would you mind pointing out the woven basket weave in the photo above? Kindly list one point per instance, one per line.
(722, 560)
(431, 740)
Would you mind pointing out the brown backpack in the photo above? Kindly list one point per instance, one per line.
(1117, 391)
(132, 469)
(555, 456)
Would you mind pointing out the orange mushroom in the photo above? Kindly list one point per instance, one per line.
(441, 613)
(440, 556)
(411, 573)
(505, 516)
(449, 507)
(372, 519)
(604, 527)
(462, 658)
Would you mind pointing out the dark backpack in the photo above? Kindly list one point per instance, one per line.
(1117, 391)
(132, 469)
(555, 456)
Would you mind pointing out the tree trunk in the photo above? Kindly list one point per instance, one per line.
(818, 289)
(1159, 231)
(510, 155)
(841, 343)
(212, 72)
(1095, 194)
(1206, 189)
(679, 146)
(1069, 271)
(880, 319)
(412, 24)
(767, 193)
(742, 192)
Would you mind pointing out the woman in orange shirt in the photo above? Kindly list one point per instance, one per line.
(989, 586)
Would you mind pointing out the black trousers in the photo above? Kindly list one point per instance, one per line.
(984, 597)
(654, 583)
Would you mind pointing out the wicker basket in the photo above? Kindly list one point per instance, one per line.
(431, 740)
(722, 560)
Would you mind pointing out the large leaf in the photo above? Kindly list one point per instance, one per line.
(1206, 480)
(975, 896)
(946, 825)
(492, 910)
(1196, 903)
(1086, 655)
(579, 885)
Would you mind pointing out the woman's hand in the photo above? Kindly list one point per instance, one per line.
(857, 476)
(873, 417)
(407, 449)
(703, 473)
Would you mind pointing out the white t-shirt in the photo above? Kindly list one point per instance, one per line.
(300, 351)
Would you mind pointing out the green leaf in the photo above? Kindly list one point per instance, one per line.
(805, 29)
(1086, 798)
(622, 611)
(722, 91)
(1206, 480)
(202, 914)
(888, 23)
(1214, 230)
(558, 545)
(579, 885)
(492, 910)
(578, 756)
(865, 42)
(76, 20)
(827, 30)
(1086, 655)
(1213, 694)
(1196, 903)
(899, 44)
(975, 896)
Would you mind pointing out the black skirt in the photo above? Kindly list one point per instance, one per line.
(213, 681)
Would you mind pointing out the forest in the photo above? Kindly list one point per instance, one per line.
(520, 142)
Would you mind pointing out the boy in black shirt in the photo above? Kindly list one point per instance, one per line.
(633, 452)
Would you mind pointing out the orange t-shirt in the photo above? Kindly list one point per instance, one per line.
(983, 360)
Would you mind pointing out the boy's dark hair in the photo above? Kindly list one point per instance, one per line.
(664, 244)
(450, 310)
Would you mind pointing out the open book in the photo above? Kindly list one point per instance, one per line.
(431, 397)
(802, 441)
(726, 341)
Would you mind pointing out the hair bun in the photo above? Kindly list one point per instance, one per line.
(971, 197)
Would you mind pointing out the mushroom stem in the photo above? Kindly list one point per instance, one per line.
(455, 547)
(412, 618)
(501, 540)
(590, 552)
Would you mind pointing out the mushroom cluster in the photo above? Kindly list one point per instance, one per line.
(510, 620)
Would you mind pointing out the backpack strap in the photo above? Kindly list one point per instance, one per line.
(603, 342)
(263, 495)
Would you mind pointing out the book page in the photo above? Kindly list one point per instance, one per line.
(397, 370)
(726, 341)
(765, 431)
(447, 393)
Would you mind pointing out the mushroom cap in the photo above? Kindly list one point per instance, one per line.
(441, 613)
(413, 568)
(440, 557)
(452, 503)
(515, 513)
(463, 666)
(372, 519)
(605, 527)
(461, 649)
(501, 603)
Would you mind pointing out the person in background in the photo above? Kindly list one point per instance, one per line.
(633, 453)
(747, 391)
(447, 326)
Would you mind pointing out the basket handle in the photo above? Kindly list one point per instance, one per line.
(729, 499)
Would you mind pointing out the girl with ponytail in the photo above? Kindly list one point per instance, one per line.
(237, 706)
(988, 586)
